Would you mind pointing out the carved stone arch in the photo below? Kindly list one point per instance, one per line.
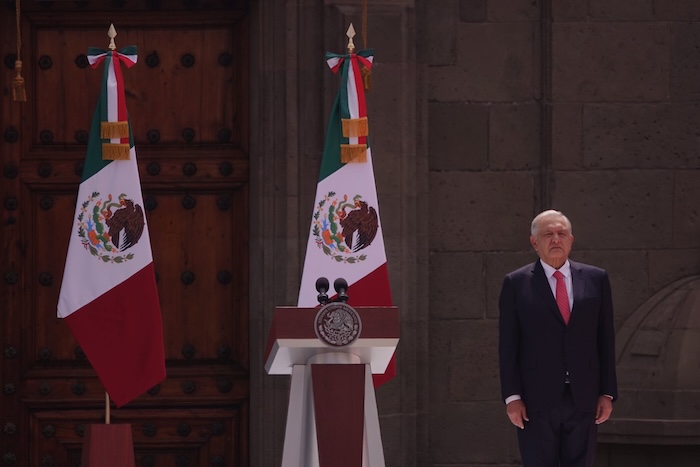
(658, 350)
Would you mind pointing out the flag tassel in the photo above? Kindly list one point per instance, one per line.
(19, 93)
(366, 78)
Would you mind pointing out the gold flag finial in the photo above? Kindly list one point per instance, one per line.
(350, 33)
(112, 33)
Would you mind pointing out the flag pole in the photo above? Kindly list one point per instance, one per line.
(111, 33)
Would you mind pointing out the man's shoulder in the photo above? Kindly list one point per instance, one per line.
(587, 268)
(526, 270)
(529, 269)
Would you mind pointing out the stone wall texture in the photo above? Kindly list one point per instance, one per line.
(588, 107)
(486, 112)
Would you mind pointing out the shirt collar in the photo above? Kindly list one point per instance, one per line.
(549, 270)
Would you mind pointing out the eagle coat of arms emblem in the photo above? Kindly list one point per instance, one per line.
(343, 227)
(108, 227)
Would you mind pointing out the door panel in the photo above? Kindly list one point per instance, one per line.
(188, 103)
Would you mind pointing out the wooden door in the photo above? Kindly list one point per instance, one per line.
(188, 101)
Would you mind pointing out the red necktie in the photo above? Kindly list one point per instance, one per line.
(562, 297)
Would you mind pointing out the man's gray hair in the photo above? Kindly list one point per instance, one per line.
(547, 214)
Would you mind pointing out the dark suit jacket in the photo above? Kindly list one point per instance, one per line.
(536, 348)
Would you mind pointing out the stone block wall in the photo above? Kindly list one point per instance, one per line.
(589, 107)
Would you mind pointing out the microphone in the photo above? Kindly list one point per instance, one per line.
(341, 287)
(322, 287)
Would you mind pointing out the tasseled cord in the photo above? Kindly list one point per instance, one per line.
(366, 72)
(19, 93)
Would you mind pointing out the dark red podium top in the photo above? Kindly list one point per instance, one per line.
(293, 339)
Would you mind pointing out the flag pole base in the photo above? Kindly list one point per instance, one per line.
(108, 446)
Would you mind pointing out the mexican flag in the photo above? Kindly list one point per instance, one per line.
(345, 237)
(108, 296)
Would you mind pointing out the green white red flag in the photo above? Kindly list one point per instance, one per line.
(345, 238)
(108, 295)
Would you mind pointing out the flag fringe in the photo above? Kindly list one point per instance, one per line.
(110, 130)
(355, 127)
(353, 153)
(115, 152)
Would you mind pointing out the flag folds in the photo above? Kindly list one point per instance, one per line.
(108, 295)
(345, 238)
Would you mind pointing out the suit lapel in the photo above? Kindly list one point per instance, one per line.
(539, 278)
(579, 285)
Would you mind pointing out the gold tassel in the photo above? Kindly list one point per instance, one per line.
(19, 94)
(115, 152)
(353, 153)
(109, 130)
(355, 127)
(366, 78)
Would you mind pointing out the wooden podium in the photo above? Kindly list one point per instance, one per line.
(331, 353)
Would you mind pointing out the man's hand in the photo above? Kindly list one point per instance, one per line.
(518, 414)
(603, 410)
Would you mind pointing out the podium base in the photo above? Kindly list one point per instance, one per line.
(311, 439)
(108, 446)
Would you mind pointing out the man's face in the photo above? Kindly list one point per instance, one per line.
(553, 241)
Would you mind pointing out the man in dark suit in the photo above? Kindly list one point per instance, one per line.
(557, 350)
